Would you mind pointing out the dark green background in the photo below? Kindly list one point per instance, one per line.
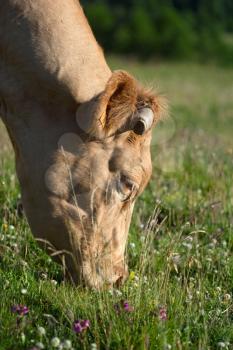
(199, 30)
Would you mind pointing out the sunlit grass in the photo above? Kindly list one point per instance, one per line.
(180, 244)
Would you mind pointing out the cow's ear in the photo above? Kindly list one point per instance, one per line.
(118, 107)
(157, 103)
(115, 105)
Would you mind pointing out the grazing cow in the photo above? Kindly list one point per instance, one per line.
(81, 135)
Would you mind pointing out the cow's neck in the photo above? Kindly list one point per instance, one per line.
(67, 49)
(51, 64)
(49, 49)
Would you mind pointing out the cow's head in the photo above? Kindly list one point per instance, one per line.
(94, 178)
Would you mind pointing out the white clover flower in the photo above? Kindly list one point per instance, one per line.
(189, 297)
(40, 345)
(118, 292)
(227, 297)
(136, 278)
(221, 344)
(54, 282)
(44, 276)
(208, 259)
(93, 346)
(167, 346)
(187, 245)
(23, 337)
(67, 344)
(24, 291)
(55, 342)
(41, 331)
(14, 245)
(132, 245)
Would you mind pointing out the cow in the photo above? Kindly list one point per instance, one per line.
(81, 136)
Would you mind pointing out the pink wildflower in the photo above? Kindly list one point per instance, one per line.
(81, 325)
(127, 307)
(21, 310)
(163, 313)
(123, 306)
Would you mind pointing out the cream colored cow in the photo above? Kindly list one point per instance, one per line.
(81, 135)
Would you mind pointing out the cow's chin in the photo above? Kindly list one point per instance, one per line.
(96, 276)
(104, 278)
(100, 271)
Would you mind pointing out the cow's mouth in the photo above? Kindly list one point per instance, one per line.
(104, 278)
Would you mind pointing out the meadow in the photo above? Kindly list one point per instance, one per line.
(180, 249)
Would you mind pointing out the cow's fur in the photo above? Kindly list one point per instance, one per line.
(70, 119)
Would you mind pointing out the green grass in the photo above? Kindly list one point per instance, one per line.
(180, 242)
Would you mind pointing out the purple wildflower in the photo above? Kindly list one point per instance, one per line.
(127, 307)
(21, 310)
(77, 327)
(81, 325)
(123, 306)
(85, 324)
(163, 314)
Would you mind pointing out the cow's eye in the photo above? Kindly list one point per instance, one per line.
(126, 188)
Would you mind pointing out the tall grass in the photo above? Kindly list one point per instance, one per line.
(180, 243)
